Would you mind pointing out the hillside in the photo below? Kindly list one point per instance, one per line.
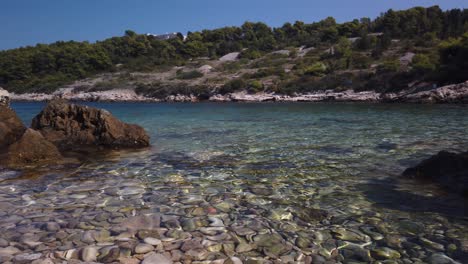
(414, 49)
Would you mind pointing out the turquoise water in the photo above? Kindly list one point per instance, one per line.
(265, 168)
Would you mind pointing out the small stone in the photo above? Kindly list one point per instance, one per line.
(26, 258)
(110, 256)
(52, 226)
(101, 236)
(243, 247)
(229, 249)
(197, 254)
(9, 251)
(87, 237)
(4, 242)
(143, 248)
(43, 261)
(432, 244)
(152, 241)
(215, 248)
(71, 254)
(191, 244)
(154, 258)
(89, 254)
(439, 258)
(129, 260)
(233, 260)
(385, 253)
(189, 225)
(142, 234)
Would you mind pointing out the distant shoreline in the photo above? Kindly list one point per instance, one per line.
(450, 94)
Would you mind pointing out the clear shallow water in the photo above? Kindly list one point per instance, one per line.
(264, 170)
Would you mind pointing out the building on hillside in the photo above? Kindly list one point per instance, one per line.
(165, 36)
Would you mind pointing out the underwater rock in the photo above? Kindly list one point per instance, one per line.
(447, 169)
(70, 126)
(32, 148)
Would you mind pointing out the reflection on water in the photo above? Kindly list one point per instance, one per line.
(295, 183)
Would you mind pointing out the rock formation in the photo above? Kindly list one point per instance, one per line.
(59, 127)
(447, 169)
(4, 97)
(11, 127)
(71, 126)
(32, 149)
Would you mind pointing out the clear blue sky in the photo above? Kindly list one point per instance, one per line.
(27, 22)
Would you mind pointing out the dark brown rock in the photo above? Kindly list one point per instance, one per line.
(447, 169)
(11, 127)
(71, 126)
(31, 149)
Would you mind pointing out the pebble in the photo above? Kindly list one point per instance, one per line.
(155, 258)
(385, 253)
(109, 255)
(52, 227)
(152, 241)
(26, 258)
(9, 251)
(439, 258)
(4, 242)
(143, 248)
(89, 254)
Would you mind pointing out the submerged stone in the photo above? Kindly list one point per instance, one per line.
(385, 253)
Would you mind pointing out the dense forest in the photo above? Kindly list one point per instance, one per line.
(439, 39)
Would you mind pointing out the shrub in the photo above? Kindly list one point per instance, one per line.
(188, 75)
(250, 54)
(255, 86)
(232, 86)
(316, 69)
(390, 65)
(422, 64)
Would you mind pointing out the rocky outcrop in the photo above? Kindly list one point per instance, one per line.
(455, 93)
(32, 149)
(450, 170)
(4, 97)
(344, 96)
(11, 127)
(115, 95)
(71, 126)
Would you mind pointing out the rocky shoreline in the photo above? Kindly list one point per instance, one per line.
(454, 93)
(60, 130)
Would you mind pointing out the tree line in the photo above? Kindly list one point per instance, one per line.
(45, 67)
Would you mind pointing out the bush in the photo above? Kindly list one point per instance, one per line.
(390, 65)
(422, 64)
(232, 86)
(316, 69)
(188, 75)
(250, 54)
(255, 86)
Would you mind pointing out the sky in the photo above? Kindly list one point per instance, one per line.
(28, 22)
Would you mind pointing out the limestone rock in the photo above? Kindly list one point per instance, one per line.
(11, 127)
(4, 97)
(450, 170)
(71, 126)
(32, 148)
